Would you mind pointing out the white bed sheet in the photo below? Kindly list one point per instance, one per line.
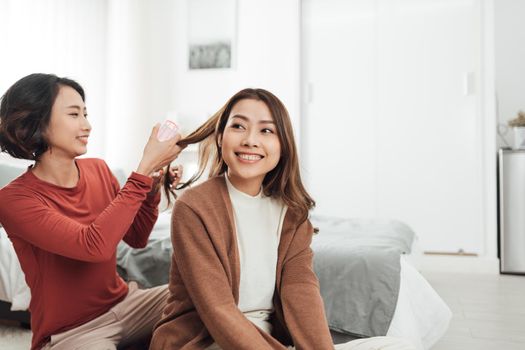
(421, 316)
(13, 287)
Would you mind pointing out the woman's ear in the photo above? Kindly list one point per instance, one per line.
(219, 140)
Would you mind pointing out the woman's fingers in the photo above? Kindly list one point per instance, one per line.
(176, 171)
(175, 175)
(154, 131)
(174, 149)
(157, 175)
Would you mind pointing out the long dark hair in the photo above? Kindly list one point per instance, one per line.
(283, 182)
(25, 112)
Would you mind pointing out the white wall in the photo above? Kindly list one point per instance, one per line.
(488, 134)
(61, 37)
(509, 37)
(130, 108)
(149, 79)
(267, 57)
(131, 56)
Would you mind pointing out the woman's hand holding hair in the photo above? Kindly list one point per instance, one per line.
(158, 154)
(174, 175)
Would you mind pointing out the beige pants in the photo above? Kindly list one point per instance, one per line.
(128, 322)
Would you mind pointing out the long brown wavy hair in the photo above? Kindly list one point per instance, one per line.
(283, 182)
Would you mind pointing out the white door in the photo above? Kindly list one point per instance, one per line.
(392, 124)
(338, 126)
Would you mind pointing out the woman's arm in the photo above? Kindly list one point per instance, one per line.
(303, 308)
(40, 224)
(156, 154)
(139, 232)
(207, 285)
(32, 220)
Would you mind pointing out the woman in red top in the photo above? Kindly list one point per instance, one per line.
(65, 217)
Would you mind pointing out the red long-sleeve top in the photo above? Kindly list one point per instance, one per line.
(66, 240)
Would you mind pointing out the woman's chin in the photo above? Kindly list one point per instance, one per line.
(79, 153)
(247, 175)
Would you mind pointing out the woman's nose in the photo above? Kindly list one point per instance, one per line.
(86, 125)
(251, 140)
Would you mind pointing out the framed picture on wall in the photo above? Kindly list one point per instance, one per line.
(211, 33)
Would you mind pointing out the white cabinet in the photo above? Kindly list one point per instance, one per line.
(392, 123)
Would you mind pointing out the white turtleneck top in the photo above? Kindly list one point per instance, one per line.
(258, 221)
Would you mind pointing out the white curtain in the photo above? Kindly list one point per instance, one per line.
(67, 38)
(139, 78)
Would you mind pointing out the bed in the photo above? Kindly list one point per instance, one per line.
(368, 283)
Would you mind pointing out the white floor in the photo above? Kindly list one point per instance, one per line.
(489, 313)
(14, 338)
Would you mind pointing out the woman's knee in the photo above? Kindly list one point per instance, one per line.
(99, 345)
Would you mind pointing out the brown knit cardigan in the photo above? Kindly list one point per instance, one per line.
(204, 282)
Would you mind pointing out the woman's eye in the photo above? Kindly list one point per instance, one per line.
(267, 131)
(237, 126)
(85, 115)
(73, 114)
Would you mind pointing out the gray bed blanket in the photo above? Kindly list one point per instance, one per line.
(356, 261)
(149, 266)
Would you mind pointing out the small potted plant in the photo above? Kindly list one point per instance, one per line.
(518, 125)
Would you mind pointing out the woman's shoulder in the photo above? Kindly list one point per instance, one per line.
(17, 195)
(207, 192)
(296, 218)
(92, 163)
(90, 166)
(21, 185)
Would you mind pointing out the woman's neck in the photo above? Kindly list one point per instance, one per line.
(62, 172)
(251, 187)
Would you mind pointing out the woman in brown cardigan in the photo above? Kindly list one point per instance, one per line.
(241, 275)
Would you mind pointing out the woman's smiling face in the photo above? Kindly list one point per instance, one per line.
(68, 130)
(250, 145)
